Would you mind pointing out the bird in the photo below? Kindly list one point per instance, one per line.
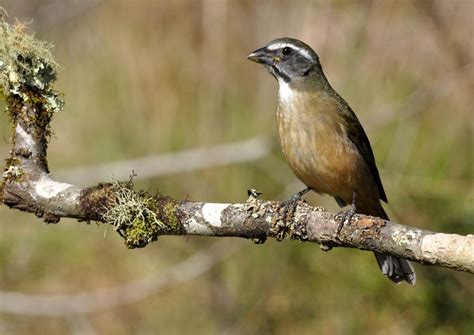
(323, 140)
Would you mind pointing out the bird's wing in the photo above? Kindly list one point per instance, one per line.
(357, 135)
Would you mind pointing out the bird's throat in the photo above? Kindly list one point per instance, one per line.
(285, 92)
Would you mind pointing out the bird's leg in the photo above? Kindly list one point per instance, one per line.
(346, 216)
(290, 204)
(287, 210)
(297, 196)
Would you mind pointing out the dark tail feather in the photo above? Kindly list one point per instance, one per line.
(396, 269)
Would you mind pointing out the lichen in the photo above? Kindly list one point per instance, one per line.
(13, 173)
(257, 209)
(139, 217)
(290, 222)
(405, 236)
(27, 72)
(133, 215)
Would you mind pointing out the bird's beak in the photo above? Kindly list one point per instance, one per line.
(261, 56)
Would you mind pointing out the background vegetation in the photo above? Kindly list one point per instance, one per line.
(149, 77)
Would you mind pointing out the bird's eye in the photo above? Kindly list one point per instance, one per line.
(286, 51)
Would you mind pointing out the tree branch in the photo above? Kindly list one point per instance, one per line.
(27, 72)
(171, 163)
(88, 302)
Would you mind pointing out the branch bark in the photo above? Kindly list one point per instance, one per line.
(27, 74)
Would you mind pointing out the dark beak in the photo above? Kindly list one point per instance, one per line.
(261, 56)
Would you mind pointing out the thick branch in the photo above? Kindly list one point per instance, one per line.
(26, 75)
(254, 219)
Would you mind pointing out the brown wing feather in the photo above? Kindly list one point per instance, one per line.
(357, 135)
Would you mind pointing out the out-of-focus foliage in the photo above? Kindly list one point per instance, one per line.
(144, 77)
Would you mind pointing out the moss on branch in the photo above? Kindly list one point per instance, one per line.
(139, 217)
(27, 73)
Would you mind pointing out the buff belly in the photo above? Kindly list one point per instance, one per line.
(321, 155)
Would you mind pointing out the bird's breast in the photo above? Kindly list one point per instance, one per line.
(315, 143)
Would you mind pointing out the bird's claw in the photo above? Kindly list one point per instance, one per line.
(346, 216)
(290, 208)
(291, 204)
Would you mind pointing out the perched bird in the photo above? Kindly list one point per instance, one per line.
(322, 139)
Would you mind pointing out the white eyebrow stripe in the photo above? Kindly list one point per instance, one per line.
(304, 52)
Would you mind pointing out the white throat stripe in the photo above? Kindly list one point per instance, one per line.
(303, 52)
(285, 93)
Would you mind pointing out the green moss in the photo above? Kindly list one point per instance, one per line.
(95, 200)
(139, 217)
(141, 231)
(171, 216)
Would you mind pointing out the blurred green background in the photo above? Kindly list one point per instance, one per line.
(148, 77)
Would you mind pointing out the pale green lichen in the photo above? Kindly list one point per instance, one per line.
(26, 65)
(13, 173)
(134, 216)
(405, 236)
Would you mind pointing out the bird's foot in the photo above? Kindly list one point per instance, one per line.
(287, 210)
(291, 204)
(346, 216)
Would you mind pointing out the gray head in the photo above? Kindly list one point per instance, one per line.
(287, 59)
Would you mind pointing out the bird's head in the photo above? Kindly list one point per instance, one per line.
(287, 59)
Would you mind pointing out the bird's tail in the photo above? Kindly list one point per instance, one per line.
(396, 269)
